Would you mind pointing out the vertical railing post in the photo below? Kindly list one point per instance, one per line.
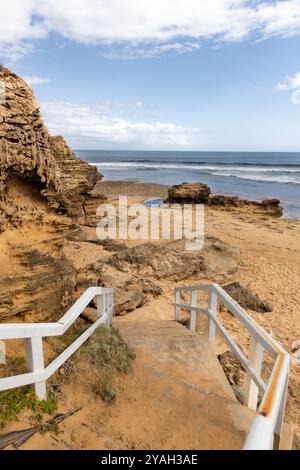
(177, 313)
(193, 313)
(105, 305)
(100, 305)
(35, 362)
(212, 307)
(110, 308)
(2, 353)
(256, 353)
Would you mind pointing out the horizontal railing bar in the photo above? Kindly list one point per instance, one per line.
(261, 434)
(270, 403)
(195, 309)
(259, 334)
(75, 311)
(29, 378)
(241, 356)
(21, 380)
(204, 287)
(57, 363)
(270, 345)
(31, 330)
(259, 382)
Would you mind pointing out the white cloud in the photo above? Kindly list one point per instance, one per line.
(143, 27)
(87, 124)
(36, 80)
(291, 83)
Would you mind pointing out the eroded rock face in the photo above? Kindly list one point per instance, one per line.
(28, 151)
(216, 260)
(189, 193)
(44, 189)
(45, 288)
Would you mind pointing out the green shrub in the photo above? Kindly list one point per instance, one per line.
(13, 402)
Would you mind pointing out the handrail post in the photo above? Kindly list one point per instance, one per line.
(100, 305)
(35, 362)
(110, 308)
(212, 307)
(177, 313)
(193, 313)
(2, 353)
(256, 353)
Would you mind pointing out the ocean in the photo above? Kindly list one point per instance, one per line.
(251, 175)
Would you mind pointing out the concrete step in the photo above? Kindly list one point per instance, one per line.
(183, 370)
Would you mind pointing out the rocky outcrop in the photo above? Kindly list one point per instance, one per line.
(216, 260)
(27, 151)
(246, 298)
(44, 289)
(267, 206)
(77, 180)
(199, 193)
(188, 193)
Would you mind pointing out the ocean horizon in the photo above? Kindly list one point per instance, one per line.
(251, 175)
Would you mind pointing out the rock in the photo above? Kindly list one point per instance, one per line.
(296, 352)
(296, 346)
(188, 193)
(44, 190)
(77, 180)
(149, 287)
(267, 206)
(89, 314)
(246, 298)
(112, 245)
(233, 369)
(28, 152)
(170, 260)
(235, 373)
(45, 288)
(126, 301)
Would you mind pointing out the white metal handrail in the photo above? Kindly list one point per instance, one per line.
(270, 411)
(33, 334)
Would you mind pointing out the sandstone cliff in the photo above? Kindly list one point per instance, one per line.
(28, 152)
(44, 189)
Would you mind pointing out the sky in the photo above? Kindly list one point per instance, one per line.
(160, 74)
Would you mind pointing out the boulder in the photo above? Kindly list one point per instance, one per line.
(247, 298)
(128, 299)
(188, 193)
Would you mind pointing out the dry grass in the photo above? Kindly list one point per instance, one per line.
(107, 351)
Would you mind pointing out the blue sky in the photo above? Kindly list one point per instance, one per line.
(174, 75)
